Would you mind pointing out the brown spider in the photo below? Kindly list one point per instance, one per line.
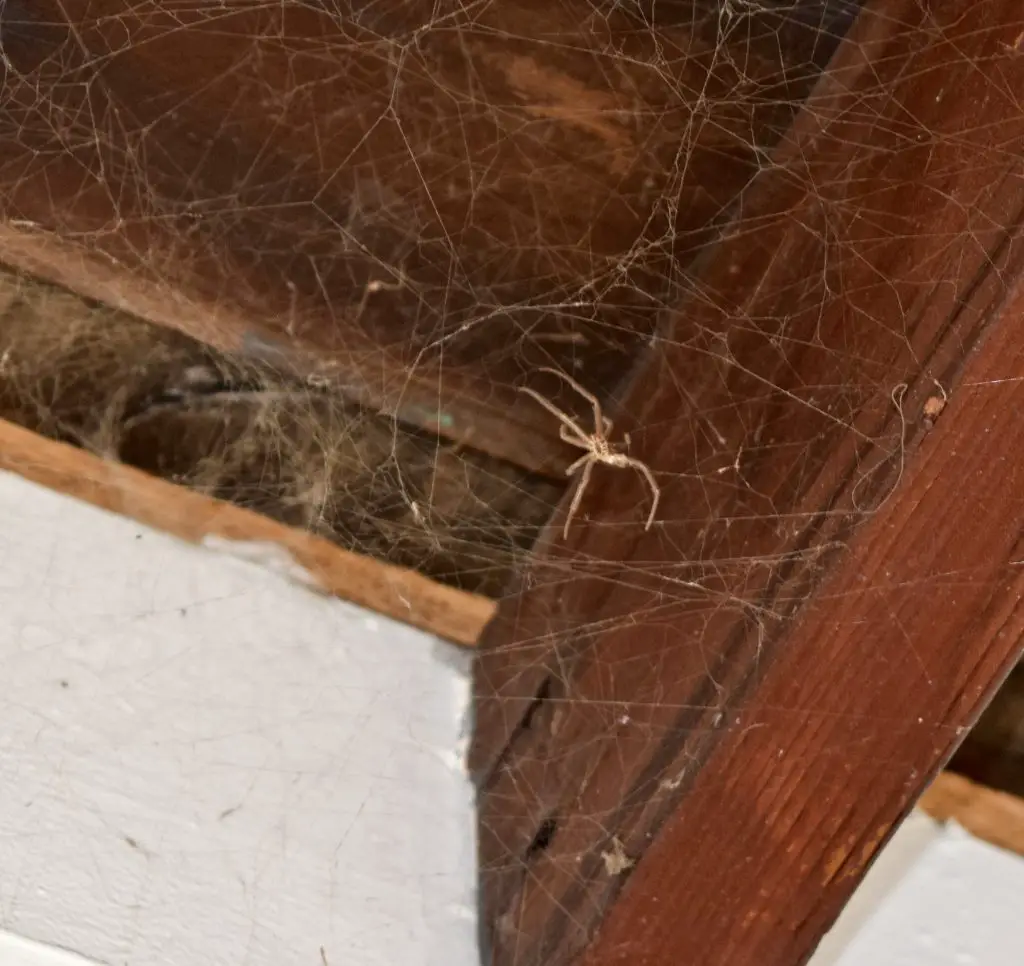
(596, 446)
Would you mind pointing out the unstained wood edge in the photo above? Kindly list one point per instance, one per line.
(993, 816)
(395, 592)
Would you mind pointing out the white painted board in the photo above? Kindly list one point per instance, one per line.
(203, 763)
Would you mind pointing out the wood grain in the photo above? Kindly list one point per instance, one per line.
(393, 591)
(731, 712)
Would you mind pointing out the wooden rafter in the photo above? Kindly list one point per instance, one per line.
(691, 743)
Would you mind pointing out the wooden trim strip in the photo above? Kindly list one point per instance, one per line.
(395, 592)
(994, 816)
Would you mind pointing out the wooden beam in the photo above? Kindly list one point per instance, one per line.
(991, 815)
(690, 743)
(420, 205)
(393, 591)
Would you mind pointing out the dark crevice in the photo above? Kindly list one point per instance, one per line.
(543, 694)
(543, 838)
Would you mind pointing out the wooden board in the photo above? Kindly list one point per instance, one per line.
(393, 591)
(420, 202)
(690, 743)
(994, 816)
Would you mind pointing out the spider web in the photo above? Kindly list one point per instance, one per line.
(362, 204)
(432, 192)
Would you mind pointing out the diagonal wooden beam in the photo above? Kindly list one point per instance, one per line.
(690, 743)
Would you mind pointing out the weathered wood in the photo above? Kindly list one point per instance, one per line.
(393, 591)
(692, 742)
(422, 202)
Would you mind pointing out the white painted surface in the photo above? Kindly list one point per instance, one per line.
(17, 951)
(936, 897)
(202, 763)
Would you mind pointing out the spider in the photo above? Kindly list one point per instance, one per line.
(596, 446)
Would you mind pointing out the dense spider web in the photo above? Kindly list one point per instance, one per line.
(423, 194)
(391, 215)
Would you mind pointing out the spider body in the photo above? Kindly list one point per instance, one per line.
(596, 446)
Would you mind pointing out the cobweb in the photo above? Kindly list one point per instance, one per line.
(126, 390)
(412, 195)
(361, 204)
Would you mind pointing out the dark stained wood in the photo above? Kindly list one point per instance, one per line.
(420, 201)
(690, 743)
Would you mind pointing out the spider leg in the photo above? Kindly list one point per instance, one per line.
(602, 425)
(577, 497)
(653, 484)
(571, 471)
(567, 435)
(567, 422)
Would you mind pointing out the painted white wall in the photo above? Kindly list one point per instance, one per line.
(204, 764)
